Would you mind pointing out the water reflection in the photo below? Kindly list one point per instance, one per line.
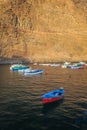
(81, 122)
(51, 106)
(22, 109)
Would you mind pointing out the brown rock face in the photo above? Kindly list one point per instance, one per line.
(44, 30)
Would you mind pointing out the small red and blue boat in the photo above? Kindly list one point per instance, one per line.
(53, 96)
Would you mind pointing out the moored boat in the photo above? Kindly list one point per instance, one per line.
(77, 67)
(53, 96)
(17, 67)
(23, 70)
(34, 72)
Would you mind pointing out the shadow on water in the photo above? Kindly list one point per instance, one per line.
(51, 106)
(82, 120)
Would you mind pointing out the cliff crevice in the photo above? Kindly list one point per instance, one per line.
(44, 30)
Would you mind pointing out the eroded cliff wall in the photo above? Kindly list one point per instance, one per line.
(44, 30)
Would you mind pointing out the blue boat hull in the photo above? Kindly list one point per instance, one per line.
(53, 96)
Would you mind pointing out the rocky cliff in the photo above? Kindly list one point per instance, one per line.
(44, 30)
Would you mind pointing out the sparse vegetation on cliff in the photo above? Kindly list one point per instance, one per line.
(44, 30)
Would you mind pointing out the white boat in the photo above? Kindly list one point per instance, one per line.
(34, 72)
(55, 65)
(66, 65)
(24, 70)
(77, 67)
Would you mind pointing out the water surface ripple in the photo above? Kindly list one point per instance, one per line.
(21, 107)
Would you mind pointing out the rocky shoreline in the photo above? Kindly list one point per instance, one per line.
(5, 61)
(14, 61)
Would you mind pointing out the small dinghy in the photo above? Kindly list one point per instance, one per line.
(17, 67)
(53, 96)
(77, 67)
(24, 70)
(33, 72)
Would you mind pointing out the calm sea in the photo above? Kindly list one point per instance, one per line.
(21, 106)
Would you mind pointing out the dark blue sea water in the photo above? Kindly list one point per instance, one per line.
(21, 106)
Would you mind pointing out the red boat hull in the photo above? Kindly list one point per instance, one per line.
(50, 100)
